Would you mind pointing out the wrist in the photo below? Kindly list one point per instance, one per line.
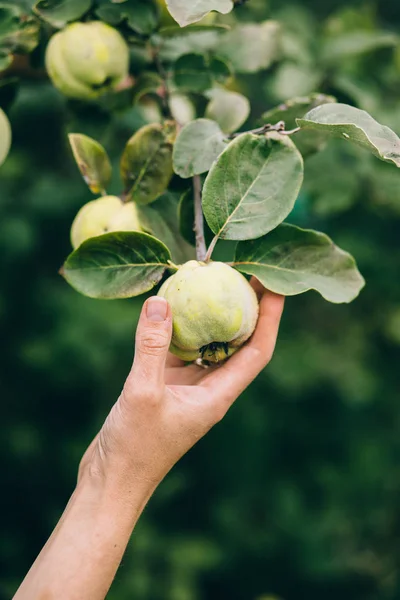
(110, 492)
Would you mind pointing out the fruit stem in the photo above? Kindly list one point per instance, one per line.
(201, 249)
(211, 248)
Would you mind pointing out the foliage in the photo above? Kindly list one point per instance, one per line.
(296, 493)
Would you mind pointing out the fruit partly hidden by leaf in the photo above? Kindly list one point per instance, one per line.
(5, 136)
(85, 60)
(101, 216)
(214, 310)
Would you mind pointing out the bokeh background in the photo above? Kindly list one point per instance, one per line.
(296, 495)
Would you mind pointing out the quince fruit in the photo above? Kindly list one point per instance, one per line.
(85, 60)
(103, 215)
(214, 308)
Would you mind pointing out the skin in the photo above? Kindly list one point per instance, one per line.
(163, 410)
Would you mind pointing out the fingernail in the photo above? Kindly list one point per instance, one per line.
(156, 309)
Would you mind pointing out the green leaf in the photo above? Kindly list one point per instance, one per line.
(185, 12)
(117, 265)
(355, 43)
(92, 161)
(356, 126)
(60, 12)
(146, 164)
(293, 79)
(175, 31)
(5, 136)
(6, 59)
(18, 33)
(186, 219)
(251, 47)
(146, 83)
(197, 146)
(291, 261)
(297, 107)
(199, 42)
(160, 220)
(142, 16)
(9, 19)
(197, 73)
(307, 141)
(229, 109)
(253, 186)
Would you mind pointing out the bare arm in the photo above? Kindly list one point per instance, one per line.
(164, 409)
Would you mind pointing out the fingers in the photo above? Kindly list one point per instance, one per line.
(153, 337)
(229, 381)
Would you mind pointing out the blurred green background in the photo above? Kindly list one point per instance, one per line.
(296, 495)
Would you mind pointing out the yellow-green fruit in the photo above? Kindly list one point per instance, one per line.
(214, 310)
(5, 136)
(85, 60)
(102, 216)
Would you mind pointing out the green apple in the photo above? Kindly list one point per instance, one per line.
(85, 60)
(103, 215)
(214, 309)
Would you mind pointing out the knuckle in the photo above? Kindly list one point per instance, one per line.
(153, 343)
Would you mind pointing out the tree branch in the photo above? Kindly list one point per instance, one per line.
(201, 249)
(279, 127)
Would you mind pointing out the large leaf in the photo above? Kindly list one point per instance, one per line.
(356, 126)
(146, 164)
(251, 47)
(197, 146)
(60, 12)
(253, 186)
(160, 219)
(5, 136)
(141, 16)
(291, 260)
(354, 43)
(189, 11)
(117, 265)
(197, 73)
(229, 109)
(92, 161)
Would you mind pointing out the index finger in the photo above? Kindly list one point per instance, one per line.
(232, 378)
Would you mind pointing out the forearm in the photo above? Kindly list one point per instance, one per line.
(82, 556)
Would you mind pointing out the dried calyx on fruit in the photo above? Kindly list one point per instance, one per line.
(85, 60)
(103, 215)
(214, 310)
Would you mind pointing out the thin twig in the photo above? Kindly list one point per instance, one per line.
(201, 249)
(279, 127)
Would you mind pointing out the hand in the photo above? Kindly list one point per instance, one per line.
(166, 407)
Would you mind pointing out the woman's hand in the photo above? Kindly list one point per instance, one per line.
(165, 406)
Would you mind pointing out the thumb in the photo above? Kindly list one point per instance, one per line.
(153, 337)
